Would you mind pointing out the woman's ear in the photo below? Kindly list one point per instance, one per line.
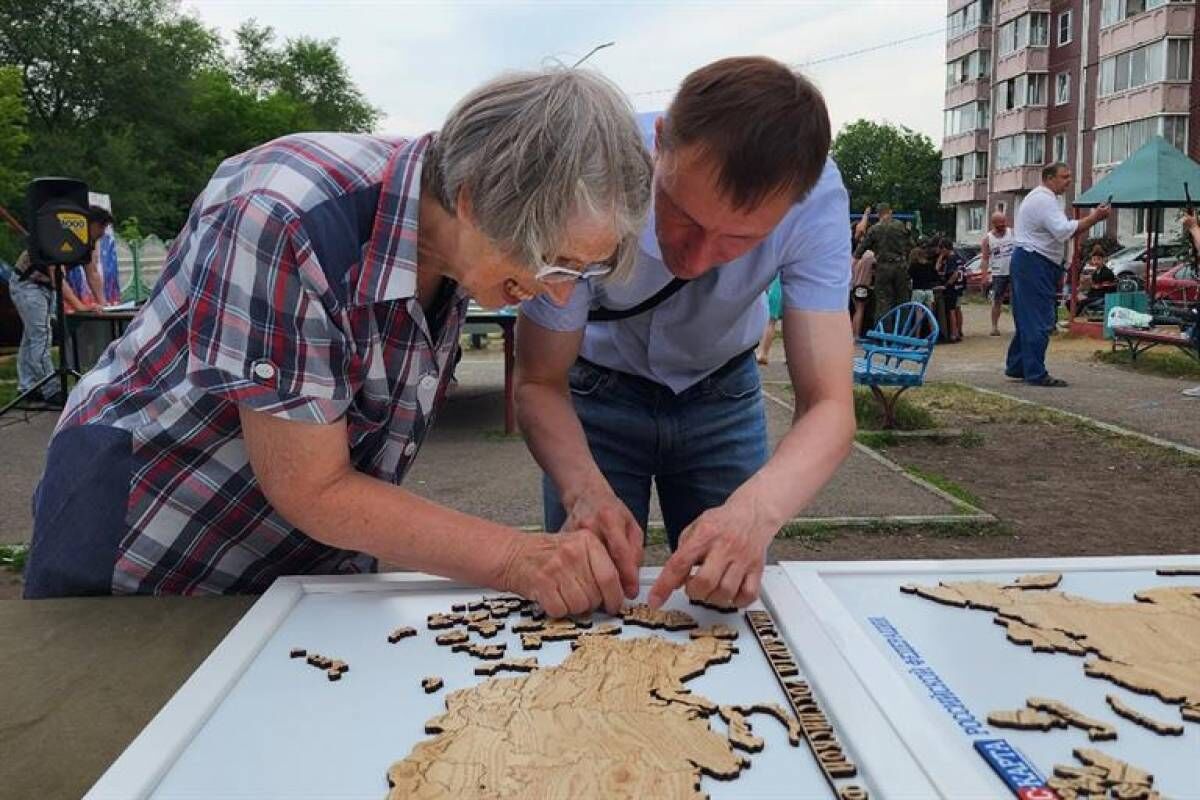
(462, 206)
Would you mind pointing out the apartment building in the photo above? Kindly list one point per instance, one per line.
(1086, 82)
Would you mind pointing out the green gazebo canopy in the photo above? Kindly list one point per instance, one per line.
(1152, 177)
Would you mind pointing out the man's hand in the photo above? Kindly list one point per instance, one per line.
(1188, 220)
(1102, 211)
(730, 547)
(565, 573)
(602, 512)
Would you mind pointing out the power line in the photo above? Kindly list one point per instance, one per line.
(826, 59)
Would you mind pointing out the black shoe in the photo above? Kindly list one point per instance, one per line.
(1048, 382)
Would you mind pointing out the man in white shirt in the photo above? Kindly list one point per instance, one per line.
(1042, 230)
(996, 252)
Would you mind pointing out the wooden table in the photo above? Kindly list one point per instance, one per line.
(507, 320)
(118, 321)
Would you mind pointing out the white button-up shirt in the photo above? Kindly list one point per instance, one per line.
(1042, 227)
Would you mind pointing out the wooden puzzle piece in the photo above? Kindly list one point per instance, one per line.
(488, 652)
(1049, 580)
(439, 621)
(1115, 770)
(531, 641)
(1042, 640)
(508, 665)
(718, 631)
(1026, 719)
(401, 633)
(452, 637)
(431, 684)
(741, 735)
(1096, 730)
(486, 628)
(780, 713)
(1133, 715)
(660, 619)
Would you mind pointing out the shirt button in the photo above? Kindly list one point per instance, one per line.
(410, 448)
(264, 370)
(428, 383)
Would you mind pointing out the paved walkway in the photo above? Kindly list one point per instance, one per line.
(1143, 403)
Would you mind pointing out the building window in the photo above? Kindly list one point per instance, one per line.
(973, 116)
(959, 169)
(1062, 88)
(1114, 11)
(973, 66)
(968, 18)
(975, 218)
(1148, 64)
(1060, 148)
(1064, 28)
(1140, 218)
(1179, 60)
(1027, 30)
(1027, 89)
(1115, 143)
(1024, 149)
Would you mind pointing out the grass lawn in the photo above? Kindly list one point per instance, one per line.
(1165, 361)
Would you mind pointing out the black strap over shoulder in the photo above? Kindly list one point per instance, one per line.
(611, 314)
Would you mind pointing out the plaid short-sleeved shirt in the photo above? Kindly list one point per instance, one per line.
(291, 289)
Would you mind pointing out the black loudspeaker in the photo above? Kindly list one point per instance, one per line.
(58, 221)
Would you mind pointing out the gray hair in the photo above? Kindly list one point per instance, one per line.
(538, 151)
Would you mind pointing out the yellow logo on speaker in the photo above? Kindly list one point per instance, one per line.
(75, 223)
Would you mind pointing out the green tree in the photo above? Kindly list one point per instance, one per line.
(141, 101)
(306, 70)
(885, 163)
(12, 133)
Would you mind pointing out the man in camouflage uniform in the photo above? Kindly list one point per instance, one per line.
(891, 243)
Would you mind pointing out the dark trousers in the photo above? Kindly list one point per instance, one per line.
(1034, 286)
(697, 446)
(893, 287)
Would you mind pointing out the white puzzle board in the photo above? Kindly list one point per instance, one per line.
(906, 648)
(253, 722)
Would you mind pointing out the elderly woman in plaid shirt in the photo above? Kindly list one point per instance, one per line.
(260, 413)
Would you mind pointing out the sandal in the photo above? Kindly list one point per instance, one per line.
(1049, 382)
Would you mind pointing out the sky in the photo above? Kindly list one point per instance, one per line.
(413, 60)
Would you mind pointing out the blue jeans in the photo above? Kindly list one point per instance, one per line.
(34, 302)
(1034, 285)
(697, 446)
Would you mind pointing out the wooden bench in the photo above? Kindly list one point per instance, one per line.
(896, 353)
(1139, 341)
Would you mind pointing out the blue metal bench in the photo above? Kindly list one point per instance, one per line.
(896, 353)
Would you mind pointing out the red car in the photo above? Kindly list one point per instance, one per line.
(1179, 284)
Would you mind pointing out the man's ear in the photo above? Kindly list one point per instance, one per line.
(658, 132)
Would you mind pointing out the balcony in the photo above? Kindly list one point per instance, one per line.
(1027, 59)
(962, 143)
(956, 5)
(1020, 120)
(1011, 9)
(1144, 101)
(965, 92)
(977, 39)
(965, 192)
(1173, 19)
(1016, 179)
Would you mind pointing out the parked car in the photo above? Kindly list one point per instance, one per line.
(976, 281)
(1180, 284)
(1132, 261)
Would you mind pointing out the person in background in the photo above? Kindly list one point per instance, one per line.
(1042, 230)
(1192, 229)
(862, 279)
(32, 292)
(774, 314)
(953, 279)
(861, 227)
(1101, 273)
(996, 253)
(890, 241)
(923, 275)
(94, 285)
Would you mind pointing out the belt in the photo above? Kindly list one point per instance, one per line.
(719, 372)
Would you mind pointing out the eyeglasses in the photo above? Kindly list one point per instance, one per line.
(555, 273)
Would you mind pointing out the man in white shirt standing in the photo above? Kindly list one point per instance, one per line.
(996, 253)
(1042, 230)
